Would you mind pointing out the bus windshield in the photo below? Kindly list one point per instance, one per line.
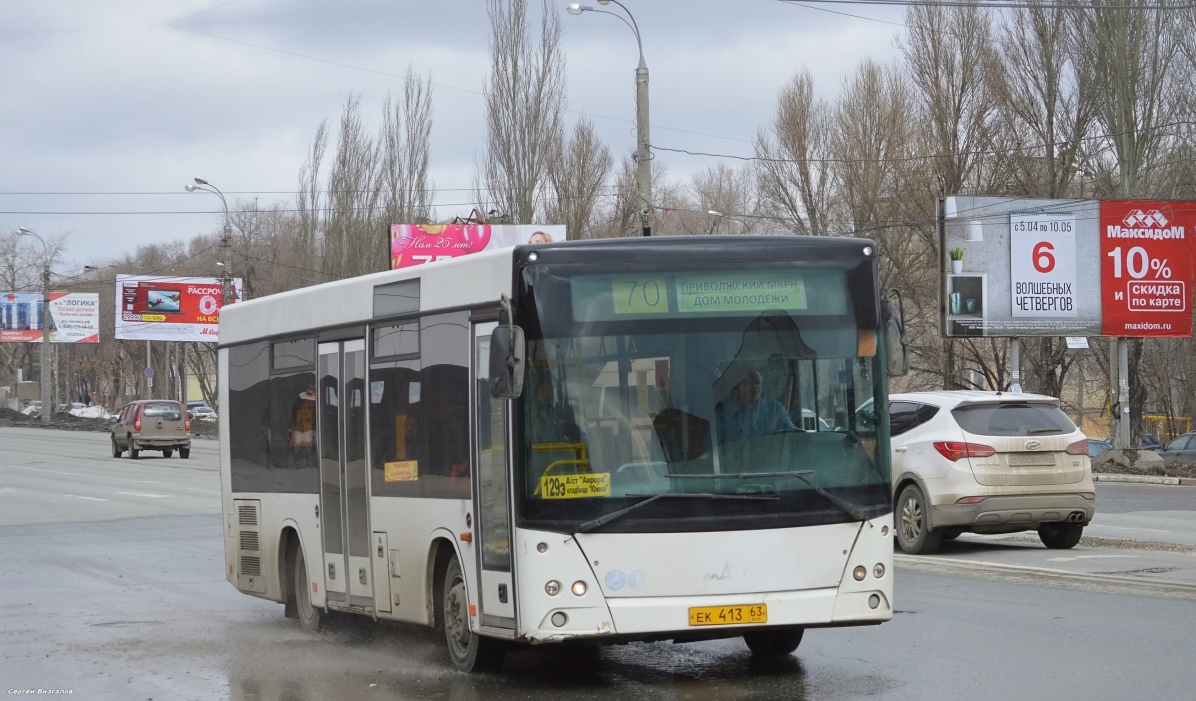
(737, 393)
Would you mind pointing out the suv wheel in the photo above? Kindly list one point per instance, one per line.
(912, 533)
(1060, 536)
(116, 449)
(134, 452)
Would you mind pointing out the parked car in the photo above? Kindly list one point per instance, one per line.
(1182, 449)
(1096, 446)
(151, 424)
(984, 462)
(1150, 442)
(202, 412)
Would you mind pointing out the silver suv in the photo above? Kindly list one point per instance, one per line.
(986, 462)
(152, 424)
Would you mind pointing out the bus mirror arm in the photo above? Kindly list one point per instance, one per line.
(507, 352)
(893, 322)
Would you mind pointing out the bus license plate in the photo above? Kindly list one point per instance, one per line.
(728, 615)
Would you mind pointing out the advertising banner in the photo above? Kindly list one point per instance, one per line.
(1022, 267)
(74, 317)
(1146, 267)
(150, 308)
(416, 244)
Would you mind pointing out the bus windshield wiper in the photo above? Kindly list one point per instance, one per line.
(603, 520)
(844, 505)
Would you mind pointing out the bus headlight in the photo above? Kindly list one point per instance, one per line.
(859, 573)
(579, 588)
(552, 588)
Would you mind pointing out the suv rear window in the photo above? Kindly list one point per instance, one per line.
(1010, 419)
(167, 410)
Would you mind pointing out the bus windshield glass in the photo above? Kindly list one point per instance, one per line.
(709, 385)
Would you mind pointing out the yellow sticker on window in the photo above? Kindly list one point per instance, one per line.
(575, 486)
(402, 471)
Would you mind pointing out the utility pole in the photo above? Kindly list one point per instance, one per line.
(643, 154)
(44, 380)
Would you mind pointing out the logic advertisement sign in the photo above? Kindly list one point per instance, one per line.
(416, 244)
(150, 308)
(74, 317)
(1016, 267)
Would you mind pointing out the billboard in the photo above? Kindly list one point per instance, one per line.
(150, 308)
(74, 317)
(416, 244)
(1024, 267)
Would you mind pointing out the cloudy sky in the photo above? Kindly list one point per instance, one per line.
(107, 109)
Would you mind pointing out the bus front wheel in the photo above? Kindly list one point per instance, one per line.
(469, 652)
(309, 616)
(773, 643)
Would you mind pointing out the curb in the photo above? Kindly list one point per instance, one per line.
(1145, 479)
(937, 565)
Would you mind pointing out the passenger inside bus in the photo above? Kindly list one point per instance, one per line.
(747, 413)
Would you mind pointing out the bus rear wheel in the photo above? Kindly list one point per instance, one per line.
(309, 617)
(773, 643)
(468, 651)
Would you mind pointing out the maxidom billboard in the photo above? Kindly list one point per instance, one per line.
(1019, 267)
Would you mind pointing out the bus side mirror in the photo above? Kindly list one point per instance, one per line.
(506, 362)
(896, 356)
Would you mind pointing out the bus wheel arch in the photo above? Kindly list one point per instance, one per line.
(440, 553)
(288, 549)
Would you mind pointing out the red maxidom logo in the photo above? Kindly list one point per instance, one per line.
(1146, 281)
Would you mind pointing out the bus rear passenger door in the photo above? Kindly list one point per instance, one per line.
(491, 494)
(343, 500)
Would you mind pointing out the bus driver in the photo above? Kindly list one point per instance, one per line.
(746, 413)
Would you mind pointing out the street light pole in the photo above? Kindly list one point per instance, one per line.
(225, 261)
(47, 410)
(643, 155)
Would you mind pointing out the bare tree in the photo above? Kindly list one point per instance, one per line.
(794, 173)
(728, 191)
(577, 172)
(948, 54)
(352, 239)
(406, 134)
(525, 99)
(1045, 109)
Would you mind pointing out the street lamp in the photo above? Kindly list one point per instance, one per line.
(44, 381)
(225, 261)
(643, 157)
(719, 215)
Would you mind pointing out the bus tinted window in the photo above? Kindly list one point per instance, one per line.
(419, 414)
(271, 424)
(294, 354)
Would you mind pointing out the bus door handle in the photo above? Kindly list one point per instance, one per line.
(902, 449)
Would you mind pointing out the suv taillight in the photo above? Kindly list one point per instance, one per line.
(137, 421)
(957, 450)
(1077, 448)
(186, 421)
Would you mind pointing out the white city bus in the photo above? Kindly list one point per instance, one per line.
(667, 444)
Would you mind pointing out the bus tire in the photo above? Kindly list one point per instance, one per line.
(773, 643)
(468, 651)
(310, 617)
(912, 515)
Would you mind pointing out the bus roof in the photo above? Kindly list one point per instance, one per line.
(481, 278)
(463, 281)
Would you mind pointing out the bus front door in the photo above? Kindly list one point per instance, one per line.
(491, 495)
(343, 500)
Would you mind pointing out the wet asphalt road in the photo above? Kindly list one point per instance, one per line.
(128, 601)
